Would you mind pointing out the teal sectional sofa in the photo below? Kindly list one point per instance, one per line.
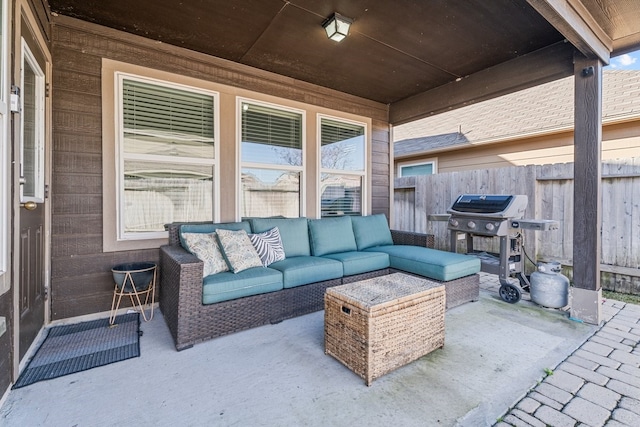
(318, 253)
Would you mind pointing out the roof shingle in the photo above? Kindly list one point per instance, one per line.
(540, 109)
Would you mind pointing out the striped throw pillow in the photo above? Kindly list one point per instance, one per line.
(268, 245)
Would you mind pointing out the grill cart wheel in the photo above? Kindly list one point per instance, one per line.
(510, 293)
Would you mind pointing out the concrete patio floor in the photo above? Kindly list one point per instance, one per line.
(278, 375)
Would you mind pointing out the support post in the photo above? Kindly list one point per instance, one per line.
(586, 294)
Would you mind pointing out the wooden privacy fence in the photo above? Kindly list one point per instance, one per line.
(550, 192)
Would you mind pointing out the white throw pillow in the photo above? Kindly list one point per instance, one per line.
(205, 247)
(238, 250)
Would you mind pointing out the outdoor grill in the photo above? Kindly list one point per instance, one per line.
(497, 216)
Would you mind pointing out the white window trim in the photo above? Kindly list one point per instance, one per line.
(254, 165)
(39, 132)
(112, 74)
(5, 140)
(432, 161)
(364, 174)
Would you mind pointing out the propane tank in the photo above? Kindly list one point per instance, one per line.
(549, 288)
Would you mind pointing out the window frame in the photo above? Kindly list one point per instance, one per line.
(364, 174)
(432, 161)
(39, 125)
(301, 169)
(114, 237)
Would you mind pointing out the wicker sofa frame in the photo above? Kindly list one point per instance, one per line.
(190, 321)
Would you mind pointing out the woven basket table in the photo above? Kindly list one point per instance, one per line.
(377, 325)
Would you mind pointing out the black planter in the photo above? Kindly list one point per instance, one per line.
(133, 277)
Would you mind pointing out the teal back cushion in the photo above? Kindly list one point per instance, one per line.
(331, 235)
(372, 230)
(293, 232)
(211, 228)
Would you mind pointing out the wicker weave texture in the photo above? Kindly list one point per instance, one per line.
(412, 238)
(462, 290)
(373, 339)
(191, 322)
(365, 276)
(459, 291)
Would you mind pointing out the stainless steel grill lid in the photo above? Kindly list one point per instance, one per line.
(494, 205)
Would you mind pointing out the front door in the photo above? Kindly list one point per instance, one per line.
(32, 200)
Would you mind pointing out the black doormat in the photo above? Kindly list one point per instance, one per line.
(74, 348)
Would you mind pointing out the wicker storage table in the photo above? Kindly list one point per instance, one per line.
(377, 325)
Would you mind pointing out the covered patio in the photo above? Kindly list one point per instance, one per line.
(401, 61)
(278, 375)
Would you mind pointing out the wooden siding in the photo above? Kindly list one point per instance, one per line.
(81, 281)
(550, 192)
(6, 343)
(619, 141)
(43, 16)
(380, 168)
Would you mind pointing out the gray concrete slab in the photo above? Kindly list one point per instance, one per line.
(278, 375)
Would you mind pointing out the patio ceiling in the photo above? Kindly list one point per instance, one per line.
(403, 53)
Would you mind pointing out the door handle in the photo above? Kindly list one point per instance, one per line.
(29, 205)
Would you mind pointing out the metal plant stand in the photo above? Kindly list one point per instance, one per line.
(137, 281)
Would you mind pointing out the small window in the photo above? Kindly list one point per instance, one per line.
(424, 168)
(167, 157)
(342, 159)
(32, 129)
(272, 160)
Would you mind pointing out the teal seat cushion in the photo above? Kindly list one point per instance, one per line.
(370, 231)
(331, 235)
(211, 228)
(294, 233)
(303, 270)
(227, 286)
(431, 263)
(360, 262)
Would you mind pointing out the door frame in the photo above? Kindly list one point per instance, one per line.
(23, 13)
(5, 152)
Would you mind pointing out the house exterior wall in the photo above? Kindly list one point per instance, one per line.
(6, 366)
(81, 281)
(621, 140)
(24, 18)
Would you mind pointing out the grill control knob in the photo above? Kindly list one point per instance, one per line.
(471, 224)
(453, 222)
(490, 226)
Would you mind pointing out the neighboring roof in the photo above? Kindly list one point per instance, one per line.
(543, 109)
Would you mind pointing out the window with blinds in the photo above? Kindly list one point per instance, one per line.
(167, 121)
(342, 156)
(266, 125)
(333, 131)
(342, 145)
(272, 160)
(271, 135)
(168, 156)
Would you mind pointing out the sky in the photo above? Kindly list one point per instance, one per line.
(628, 61)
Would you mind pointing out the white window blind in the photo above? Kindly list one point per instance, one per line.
(333, 131)
(164, 120)
(265, 125)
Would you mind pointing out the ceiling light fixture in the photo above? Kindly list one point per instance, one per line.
(337, 27)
